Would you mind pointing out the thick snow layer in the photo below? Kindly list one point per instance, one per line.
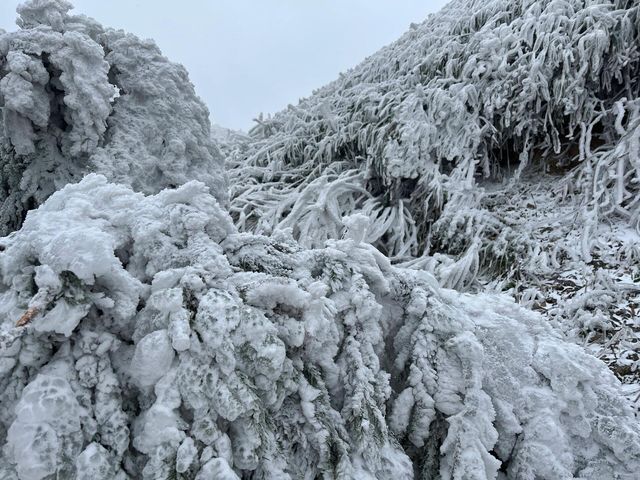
(287, 361)
(152, 359)
(496, 145)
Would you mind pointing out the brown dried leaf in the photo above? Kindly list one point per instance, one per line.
(27, 317)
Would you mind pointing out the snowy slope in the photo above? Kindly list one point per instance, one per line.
(476, 91)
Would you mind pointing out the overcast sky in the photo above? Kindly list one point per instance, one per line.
(251, 56)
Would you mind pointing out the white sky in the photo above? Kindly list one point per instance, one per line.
(251, 56)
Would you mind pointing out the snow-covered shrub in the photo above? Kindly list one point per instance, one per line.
(143, 336)
(158, 342)
(78, 98)
(480, 89)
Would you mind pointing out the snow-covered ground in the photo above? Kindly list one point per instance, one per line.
(594, 297)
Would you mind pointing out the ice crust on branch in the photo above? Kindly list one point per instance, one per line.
(79, 98)
(168, 345)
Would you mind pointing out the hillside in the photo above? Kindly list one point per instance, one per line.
(375, 289)
(476, 93)
(496, 145)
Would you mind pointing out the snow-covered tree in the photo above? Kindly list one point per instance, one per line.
(78, 98)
